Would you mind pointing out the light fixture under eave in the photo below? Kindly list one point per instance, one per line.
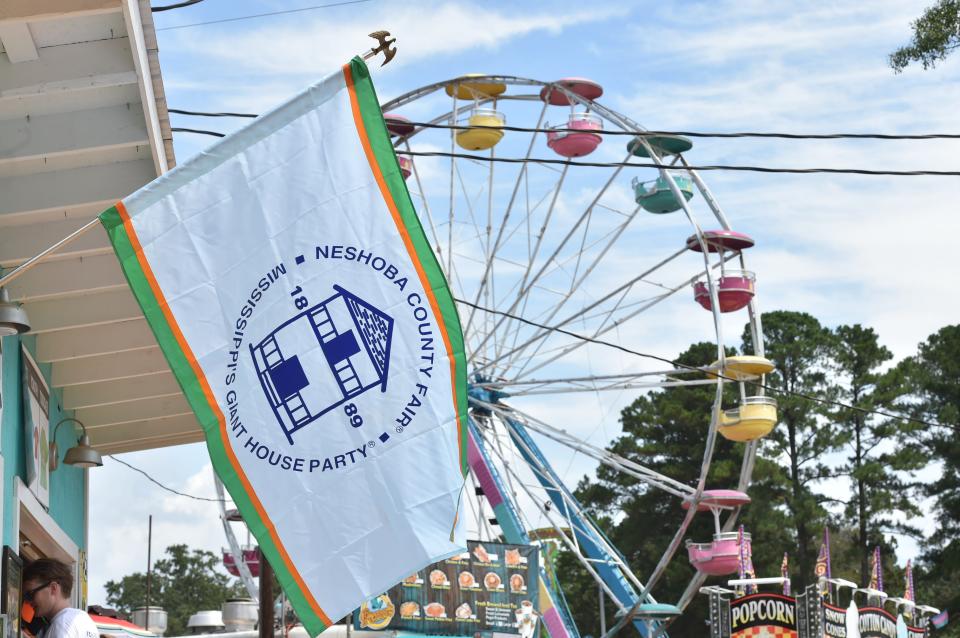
(13, 318)
(80, 455)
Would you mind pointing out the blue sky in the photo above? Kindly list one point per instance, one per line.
(847, 249)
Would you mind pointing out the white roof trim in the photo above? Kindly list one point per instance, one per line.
(131, 15)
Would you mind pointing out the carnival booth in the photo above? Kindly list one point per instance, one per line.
(829, 608)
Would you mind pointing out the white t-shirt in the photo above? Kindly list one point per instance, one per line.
(71, 623)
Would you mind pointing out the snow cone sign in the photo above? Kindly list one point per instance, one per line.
(292, 290)
(763, 616)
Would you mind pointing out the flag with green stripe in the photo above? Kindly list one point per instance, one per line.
(292, 290)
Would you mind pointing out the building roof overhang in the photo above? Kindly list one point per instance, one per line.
(83, 123)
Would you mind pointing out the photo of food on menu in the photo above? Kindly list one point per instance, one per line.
(490, 587)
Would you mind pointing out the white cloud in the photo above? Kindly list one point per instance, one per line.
(422, 31)
(122, 500)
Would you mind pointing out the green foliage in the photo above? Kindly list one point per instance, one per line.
(880, 451)
(183, 582)
(934, 374)
(936, 34)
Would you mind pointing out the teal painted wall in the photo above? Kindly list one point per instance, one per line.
(67, 484)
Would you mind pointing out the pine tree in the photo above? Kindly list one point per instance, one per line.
(881, 452)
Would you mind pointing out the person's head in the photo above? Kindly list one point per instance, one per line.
(47, 585)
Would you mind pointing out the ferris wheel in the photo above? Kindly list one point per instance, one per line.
(545, 258)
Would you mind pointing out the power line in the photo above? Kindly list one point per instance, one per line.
(263, 15)
(179, 5)
(705, 167)
(526, 129)
(708, 167)
(645, 355)
(197, 131)
(789, 136)
(161, 485)
(209, 114)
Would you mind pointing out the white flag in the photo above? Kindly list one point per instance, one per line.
(293, 292)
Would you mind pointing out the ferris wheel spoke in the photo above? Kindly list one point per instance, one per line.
(577, 283)
(506, 214)
(525, 290)
(425, 202)
(613, 324)
(453, 170)
(452, 273)
(611, 459)
(620, 290)
(609, 386)
(509, 327)
(606, 326)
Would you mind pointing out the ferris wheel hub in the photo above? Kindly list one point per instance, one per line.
(480, 393)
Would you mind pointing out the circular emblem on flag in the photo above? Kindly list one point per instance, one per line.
(317, 344)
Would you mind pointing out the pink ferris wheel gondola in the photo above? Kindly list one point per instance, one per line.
(718, 557)
(735, 288)
(251, 556)
(579, 142)
(406, 166)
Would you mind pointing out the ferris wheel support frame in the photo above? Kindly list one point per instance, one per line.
(249, 583)
(509, 520)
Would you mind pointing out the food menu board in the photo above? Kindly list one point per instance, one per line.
(490, 587)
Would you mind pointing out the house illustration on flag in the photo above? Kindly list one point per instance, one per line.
(322, 358)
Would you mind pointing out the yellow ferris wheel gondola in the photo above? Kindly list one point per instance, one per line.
(754, 419)
(466, 89)
(483, 130)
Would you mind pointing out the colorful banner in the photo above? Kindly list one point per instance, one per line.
(940, 620)
(876, 571)
(822, 568)
(763, 616)
(785, 574)
(292, 290)
(908, 589)
(490, 587)
(745, 561)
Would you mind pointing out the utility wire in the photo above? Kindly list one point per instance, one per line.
(706, 167)
(209, 114)
(789, 136)
(525, 129)
(178, 5)
(263, 15)
(198, 131)
(645, 355)
(161, 485)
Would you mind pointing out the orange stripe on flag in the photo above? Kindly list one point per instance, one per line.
(211, 402)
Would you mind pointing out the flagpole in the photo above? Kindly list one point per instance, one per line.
(384, 45)
(33, 261)
(266, 597)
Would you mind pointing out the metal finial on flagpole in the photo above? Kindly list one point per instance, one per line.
(384, 45)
